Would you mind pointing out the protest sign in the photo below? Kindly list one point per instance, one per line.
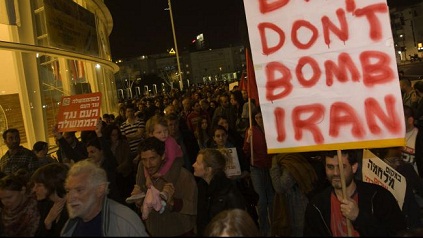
(326, 74)
(375, 170)
(233, 167)
(79, 112)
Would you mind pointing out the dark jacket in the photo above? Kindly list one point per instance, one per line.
(221, 194)
(410, 208)
(379, 215)
(44, 207)
(77, 153)
(418, 152)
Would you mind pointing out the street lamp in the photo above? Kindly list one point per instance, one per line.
(181, 85)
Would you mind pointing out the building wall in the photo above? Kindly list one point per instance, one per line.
(36, 73)
(407, 30)
(225, 64)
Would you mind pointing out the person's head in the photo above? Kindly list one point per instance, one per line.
(393, 157)
(86, 186)
(86, 136)
(113, 132)
(95, 151)
(112, 118)
(213, 104)
(224, 100)
(141, 106)
(208, 163)
(186, 104)
(152, 154)
(13, 190)
(405, 85)
(408, 117)
(169, 109)
(172, 124)
(49, 181)
(106, 118)
(232, 222)
(130, 111)
(204, 104)
(244, 95)
(236, 98)
(176, 103)
(418, 87)
(196, 96)
(350, 166)
(258, 118)
(70, 137)
(196, 106)
(122, 110)
(157, 126)
(40, 149)
(203, 123)
(11, 138)
(222, 121)
(220, 136)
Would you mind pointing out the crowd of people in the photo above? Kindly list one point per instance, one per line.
(161, 168)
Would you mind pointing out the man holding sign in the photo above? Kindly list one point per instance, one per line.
(368, 210)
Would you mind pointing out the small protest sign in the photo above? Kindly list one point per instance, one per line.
(376, 171)
(233, 167)
(79, 112)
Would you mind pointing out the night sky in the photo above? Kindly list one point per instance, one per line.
(144, 26)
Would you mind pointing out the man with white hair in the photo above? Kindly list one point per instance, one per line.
(91, 213)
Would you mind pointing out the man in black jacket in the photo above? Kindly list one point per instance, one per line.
(370, 209)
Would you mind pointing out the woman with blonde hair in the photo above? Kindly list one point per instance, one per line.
(230, 223)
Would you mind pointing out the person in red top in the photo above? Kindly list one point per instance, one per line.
(260, 166)
(367, 209)
(194, 117)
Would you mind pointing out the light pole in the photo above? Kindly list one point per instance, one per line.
(181, 85)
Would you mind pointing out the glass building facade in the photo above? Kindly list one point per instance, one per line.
(50, 49)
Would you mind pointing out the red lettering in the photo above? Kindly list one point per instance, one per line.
(370, 13)
(329, 26)
(281, 83)
(266, 7)
(262, 30)
(345, 62)
(315, 114)
(350, 5)
(376, 69)
(342, 114)
(314, 66)
(309, 117)
(391, 120)
(294, 34)
(280, 124)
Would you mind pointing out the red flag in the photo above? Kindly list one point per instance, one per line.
(251, 79)
(242, 82)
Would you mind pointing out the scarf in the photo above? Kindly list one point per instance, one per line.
(23, 220)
